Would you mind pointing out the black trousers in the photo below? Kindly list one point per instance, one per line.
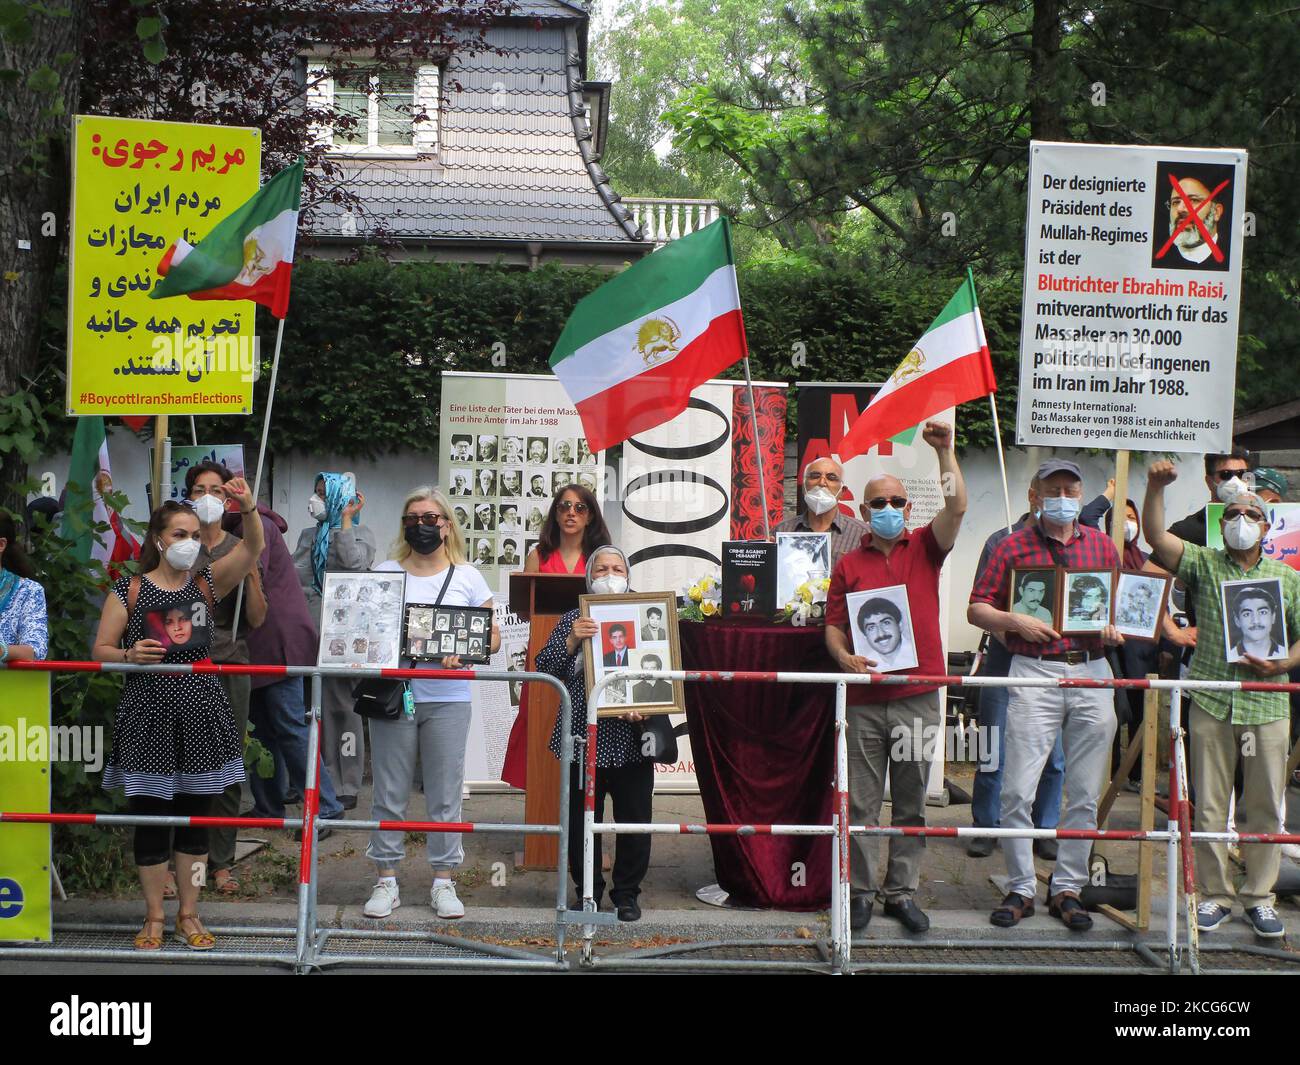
(154, 843)
(631, 788)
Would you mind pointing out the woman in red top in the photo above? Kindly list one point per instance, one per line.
(573, 529)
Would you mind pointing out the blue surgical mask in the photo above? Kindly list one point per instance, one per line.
(1061, 510)
(887, 523)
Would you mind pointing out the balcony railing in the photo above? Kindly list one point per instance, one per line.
(665, 219)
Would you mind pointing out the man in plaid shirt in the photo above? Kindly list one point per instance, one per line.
(1084, 718)
(1233, 728)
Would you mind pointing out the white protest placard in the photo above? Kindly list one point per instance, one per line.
(1132, 283)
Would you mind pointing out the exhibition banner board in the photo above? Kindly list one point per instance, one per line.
(26, 747)
(138, 187)
(507, 443)
(1132, 285)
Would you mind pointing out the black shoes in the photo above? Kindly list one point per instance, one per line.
(323, 832)
(909, 913)
(1046, 849)
(981, 847)
(348, 802)
(628, 910)
(860, 912)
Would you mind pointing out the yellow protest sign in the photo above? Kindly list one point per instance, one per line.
(138, 186)
(24, 788)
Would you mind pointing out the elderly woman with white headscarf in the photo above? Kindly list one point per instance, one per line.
(623, 772)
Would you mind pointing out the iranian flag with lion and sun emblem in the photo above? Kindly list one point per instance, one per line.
(247, 256)
(632, 350)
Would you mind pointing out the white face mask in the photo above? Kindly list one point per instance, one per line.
(1227, 491)
(1130, 531)
(209, 509)
(819, 500)
(1241, 534)
(181, 555)
(614, 584)
(316, 507)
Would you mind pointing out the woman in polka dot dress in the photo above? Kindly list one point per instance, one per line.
(174, 740)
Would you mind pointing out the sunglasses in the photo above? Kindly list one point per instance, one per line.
(880, 502)
(567, 505)
(1228, 475)
(1249, 515)
(409, 521)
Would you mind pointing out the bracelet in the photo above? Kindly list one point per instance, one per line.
(246, 513)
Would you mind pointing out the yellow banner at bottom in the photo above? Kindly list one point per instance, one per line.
(24, 788)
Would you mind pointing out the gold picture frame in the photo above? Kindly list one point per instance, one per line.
(627, 612)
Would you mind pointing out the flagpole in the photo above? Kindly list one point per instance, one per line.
(261, 450)
(993, 406)
(758, 455)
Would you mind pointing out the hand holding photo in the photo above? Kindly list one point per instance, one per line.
(619, 644)
(1254, 619)
(1034, 593)
(1140, 603)
(1086, 601)
(881, 623)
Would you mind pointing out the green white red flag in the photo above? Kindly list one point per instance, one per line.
(104, 536)
(949, 365)
(248, 255)
(633, 350)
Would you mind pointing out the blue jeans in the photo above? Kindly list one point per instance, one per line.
(277, 713)
(986, 803)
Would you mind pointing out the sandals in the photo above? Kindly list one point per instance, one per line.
(145, 941)
(1013, 909)
(198, 938)
(224, 882)
(1070, 910)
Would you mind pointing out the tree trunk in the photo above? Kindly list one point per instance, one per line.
(1046, 122)
(36, 110)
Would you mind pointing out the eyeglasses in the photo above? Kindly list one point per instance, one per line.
(567, 505)
(880, 502)
(409, 521)
(829, 478)
(1228, 475)
(1233, 515)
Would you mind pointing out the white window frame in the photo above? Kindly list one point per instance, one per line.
(426, 97)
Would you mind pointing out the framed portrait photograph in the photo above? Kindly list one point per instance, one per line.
(1087, 598)
(636, 630)
(180, 627)
(362, 619)
(432, 632)
(881, 623)
(1140, 602)
(1254, 619)
(800, 557)
(1035, 592)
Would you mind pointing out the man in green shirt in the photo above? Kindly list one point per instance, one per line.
(1232, 727)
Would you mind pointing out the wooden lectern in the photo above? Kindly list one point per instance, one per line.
(541, 599)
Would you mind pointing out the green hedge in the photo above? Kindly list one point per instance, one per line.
(366, 342)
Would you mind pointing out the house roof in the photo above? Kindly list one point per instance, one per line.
(515, 161)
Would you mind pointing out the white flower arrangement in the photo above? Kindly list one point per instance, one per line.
(701, 598)
(808, 602)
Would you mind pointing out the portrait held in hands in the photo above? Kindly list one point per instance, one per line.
(881, 622)
(1254, 619)
(1034, 593)
(1140, 600)
(1086, 601)
(180, 627)
(621, 619)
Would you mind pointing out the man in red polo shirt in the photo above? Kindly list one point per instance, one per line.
(1084, 718)
(887, 723)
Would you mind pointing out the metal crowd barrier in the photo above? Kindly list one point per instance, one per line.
(309, 950)
(1178, 829)
(310, 941)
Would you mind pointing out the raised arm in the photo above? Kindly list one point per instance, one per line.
(230, 569)
(952, 485)
(1166, 548)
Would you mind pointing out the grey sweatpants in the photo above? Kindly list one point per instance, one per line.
(1084, 718)
(343, 736)
(437, 736)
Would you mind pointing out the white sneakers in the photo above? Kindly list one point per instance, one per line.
(383, 900)
(442, 897)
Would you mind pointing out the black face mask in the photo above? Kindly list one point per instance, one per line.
(424, 539)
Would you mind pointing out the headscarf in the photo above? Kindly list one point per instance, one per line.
(603, 550)
(1134, 556)
(336, 498)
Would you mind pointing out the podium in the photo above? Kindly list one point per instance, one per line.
(541, 599)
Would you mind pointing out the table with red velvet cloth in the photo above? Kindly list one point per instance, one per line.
(764, 754)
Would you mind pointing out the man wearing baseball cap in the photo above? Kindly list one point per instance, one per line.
(1083, 717)
(1270, 485)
